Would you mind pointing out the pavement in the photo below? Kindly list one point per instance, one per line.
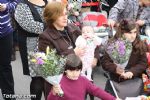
(22, 82)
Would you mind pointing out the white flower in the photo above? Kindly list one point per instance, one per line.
(41, 55)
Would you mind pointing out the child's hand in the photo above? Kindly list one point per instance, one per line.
(55, 89)
(127, 75)
(94, 63)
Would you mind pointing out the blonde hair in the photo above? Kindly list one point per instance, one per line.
(52, 11)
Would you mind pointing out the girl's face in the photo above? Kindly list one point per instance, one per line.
(73, 74)
(61, 22)
(131, 36)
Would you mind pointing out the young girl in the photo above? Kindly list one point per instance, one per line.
(89, 41)
(137, 61)
(75, 86)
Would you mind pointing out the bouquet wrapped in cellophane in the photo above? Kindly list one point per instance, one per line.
(48, 65)
(119, 51)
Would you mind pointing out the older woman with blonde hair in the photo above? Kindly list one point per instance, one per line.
(59, 34)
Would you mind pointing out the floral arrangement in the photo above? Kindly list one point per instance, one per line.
(119, 51)
(48, 65)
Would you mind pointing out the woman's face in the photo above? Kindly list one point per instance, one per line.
(131, 36)
(61, 22)
(73, 74)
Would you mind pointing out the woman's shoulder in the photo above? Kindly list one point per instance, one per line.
(21, 9)
(49, 33)
(44, 33)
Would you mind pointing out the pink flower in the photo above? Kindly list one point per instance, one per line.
(40, 61)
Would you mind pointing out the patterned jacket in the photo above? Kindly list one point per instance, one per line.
(27, 27)
(5, 17)
(128, 9)
(145, 15)
(25, 19)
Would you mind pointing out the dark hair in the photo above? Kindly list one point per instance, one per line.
(125, 26)
(73, 62)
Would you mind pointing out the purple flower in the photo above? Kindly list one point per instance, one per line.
(40, 61)
(110, 48)
(121, 48)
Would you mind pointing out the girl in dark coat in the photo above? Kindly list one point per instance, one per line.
(137, 61)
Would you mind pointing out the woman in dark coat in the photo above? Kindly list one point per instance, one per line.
(59, 35)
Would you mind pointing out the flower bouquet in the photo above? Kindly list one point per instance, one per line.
(119, 51)
(74, 7)
(50, 66)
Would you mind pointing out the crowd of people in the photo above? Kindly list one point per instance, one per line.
(44, 23)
